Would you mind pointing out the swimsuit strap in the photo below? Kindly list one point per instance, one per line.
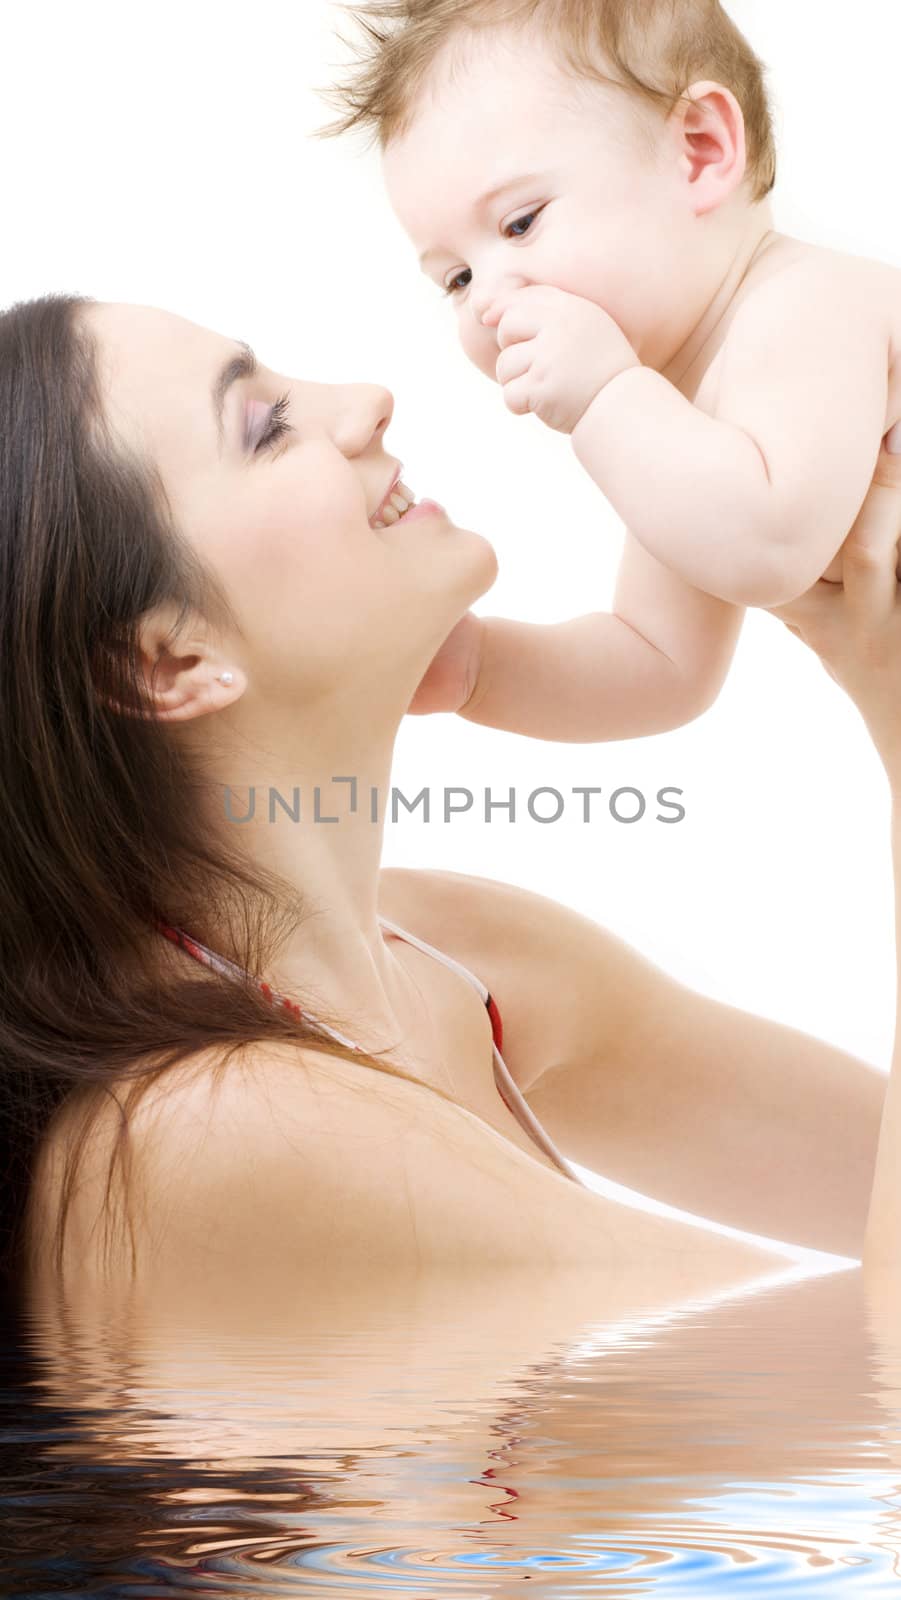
(201, 952)
(497, 1027)
(508, 1090)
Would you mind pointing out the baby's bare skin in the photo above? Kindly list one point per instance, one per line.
(726, 386)
(807, 364)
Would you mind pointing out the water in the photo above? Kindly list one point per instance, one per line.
(455, 1440)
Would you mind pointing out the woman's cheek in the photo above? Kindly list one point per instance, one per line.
(296, 519)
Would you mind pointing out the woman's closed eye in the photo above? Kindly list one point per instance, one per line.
(453, 286)
(276, 426)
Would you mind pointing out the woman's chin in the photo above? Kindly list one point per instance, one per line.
(470, 554)
(481, 558)
(492, 567)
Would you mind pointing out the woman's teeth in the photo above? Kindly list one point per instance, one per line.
(401, 500)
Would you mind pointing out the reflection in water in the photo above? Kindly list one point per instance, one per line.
(464, 1440)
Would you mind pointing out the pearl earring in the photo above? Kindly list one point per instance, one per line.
(226, 677)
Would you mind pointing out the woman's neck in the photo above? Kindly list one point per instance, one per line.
(315, 816)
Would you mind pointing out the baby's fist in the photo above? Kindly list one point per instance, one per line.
(558, 351)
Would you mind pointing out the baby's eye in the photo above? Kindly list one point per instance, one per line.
(522, 221)
(515, 230)
(454, 286)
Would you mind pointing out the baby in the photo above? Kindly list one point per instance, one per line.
(588, 181)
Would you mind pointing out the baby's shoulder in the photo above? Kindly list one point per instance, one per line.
(792, 271)
(795, 286)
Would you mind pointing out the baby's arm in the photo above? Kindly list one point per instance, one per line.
(655, 662)
(753, 502)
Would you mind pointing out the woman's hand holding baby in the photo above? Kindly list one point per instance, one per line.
(855, 626)
(558, 351)
(855, 629)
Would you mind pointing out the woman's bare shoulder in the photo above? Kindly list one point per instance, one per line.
(286, 1157)
(557, 975)
(477, 912)
(293, 1161)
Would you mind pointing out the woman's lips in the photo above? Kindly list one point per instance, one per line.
(400, 505)
(392, 489)
(423, 508)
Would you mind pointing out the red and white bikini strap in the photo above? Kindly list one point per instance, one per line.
(209, 958)
(456, 966)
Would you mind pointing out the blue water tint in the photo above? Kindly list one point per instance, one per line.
(774, 1574)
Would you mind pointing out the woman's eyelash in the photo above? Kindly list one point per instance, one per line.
(529, 216)
(276, 425)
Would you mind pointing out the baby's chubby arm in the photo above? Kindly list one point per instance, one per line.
(656, 662)
(752, 503)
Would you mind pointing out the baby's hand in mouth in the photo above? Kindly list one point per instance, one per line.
(558, 351)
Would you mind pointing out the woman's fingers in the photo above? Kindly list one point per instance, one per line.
(869, 558)
(811, 613)
(810, 603)
(855, 626)
(859, 641)
(870, 553)
(888, 467)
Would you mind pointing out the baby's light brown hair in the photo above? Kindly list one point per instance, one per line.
(655, 48)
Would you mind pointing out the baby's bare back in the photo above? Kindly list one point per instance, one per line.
(868, 285)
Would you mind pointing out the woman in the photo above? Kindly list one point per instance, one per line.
(196, 600)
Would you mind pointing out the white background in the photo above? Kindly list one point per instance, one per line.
(162, 154)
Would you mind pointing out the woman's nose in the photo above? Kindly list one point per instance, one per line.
(364, 413)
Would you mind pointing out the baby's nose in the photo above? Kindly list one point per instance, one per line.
(490, 295)
(481, 300)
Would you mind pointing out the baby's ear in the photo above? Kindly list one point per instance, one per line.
(711, 143)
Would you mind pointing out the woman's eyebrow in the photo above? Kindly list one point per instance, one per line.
(242, 365)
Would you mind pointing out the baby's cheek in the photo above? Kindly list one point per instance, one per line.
(479, 346)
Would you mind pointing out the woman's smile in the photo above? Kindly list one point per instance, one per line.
(396, 503)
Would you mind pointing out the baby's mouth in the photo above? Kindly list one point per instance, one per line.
(399, 501)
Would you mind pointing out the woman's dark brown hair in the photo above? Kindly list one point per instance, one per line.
(104, 819)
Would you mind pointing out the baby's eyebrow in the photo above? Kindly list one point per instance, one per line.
(484, 201)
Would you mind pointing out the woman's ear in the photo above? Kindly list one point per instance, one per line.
(182, 675)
